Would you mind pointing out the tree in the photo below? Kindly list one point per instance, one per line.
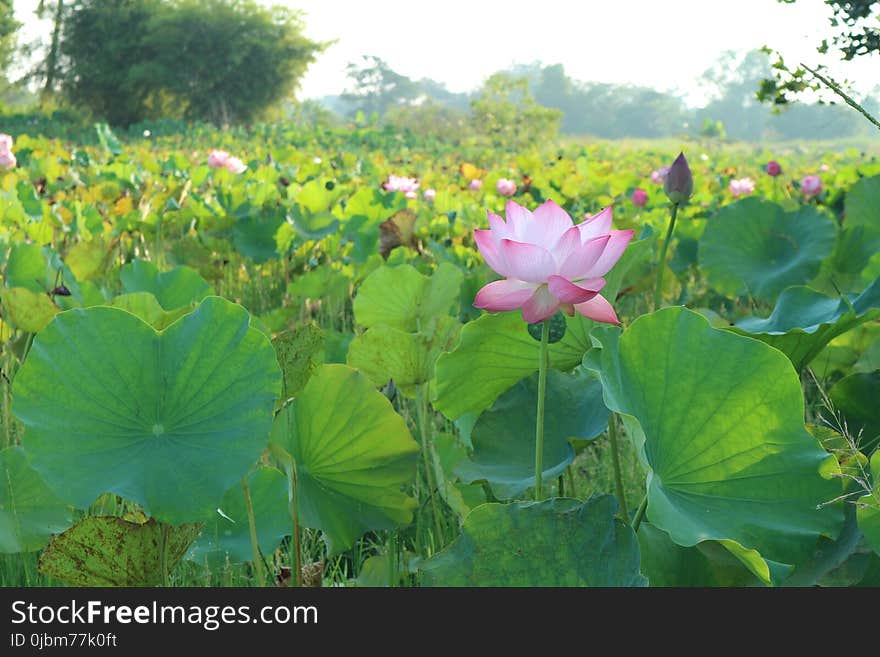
(216, 60)
(8, 28)
(856, 24)
(509, 115)
(376, 87)
(108, 66)
(239, 58)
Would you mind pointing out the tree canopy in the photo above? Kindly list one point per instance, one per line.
(224, 61)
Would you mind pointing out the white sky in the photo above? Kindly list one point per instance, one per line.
(666, 44)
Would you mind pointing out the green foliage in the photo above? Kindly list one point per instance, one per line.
(124, 58)
(8, 27)
(112, 551)
(804, 320)
(199, 396)
(508, 114)
(348, 454)
(718, 423)
(557, 542)
(503, 437)
(754, 247)
(29, 512)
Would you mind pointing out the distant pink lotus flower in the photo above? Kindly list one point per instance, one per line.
(234, 165)
(773, 168)
(824, 167)
(811, 186)
(475, 185)
(223, 160)
(7, 158)
(742, 187)
(401, 184)
(218, 159)
(549, 263)
(505, 187)
(430, 194)
(639, 198)
(658, 177)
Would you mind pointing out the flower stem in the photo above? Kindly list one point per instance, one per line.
(163, 555)
(252, 527)
(427, 455)
(296, 558)
(658, 292)
(640, 514)
(539, 425)
(615, 458)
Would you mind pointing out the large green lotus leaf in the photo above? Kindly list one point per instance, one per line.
(869, 508)
(493, 353)
(718, 421)
(557, 542)
(754, 247)
(26, 267)
(404, 299)
(352, 454)
(110, 551)
(503, 437)
(297, 352)
(834, 560)
(254, 235)
(145, 306)
(804, 320)
(29, 512)
(384, 353)
(862, 205)
(173, 289)
(637, 253)
(168, 419)
(226, 537)
(707, 564)
(857, 397)
(26, 310)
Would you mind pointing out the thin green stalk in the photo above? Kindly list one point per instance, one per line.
(429, 471)
(640, 514)
(295, 558)
(163, 554)
(840, 92)
(658, 291)
(539, 424)
(615, 458)
(252, 526)
(570, 475)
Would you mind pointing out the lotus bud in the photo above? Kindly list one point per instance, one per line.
(679, 185)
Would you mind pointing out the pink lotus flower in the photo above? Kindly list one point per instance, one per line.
(7, 158)
(218, 159)
(234, 165)
(658, 177)
(742, 187)
(430, 194)
(401, 184)
(824, 167)
(223, 160)
(639, 198)
(549, 263)
(811, 186)
(505, 187)
(773, 168)
(475, 185)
